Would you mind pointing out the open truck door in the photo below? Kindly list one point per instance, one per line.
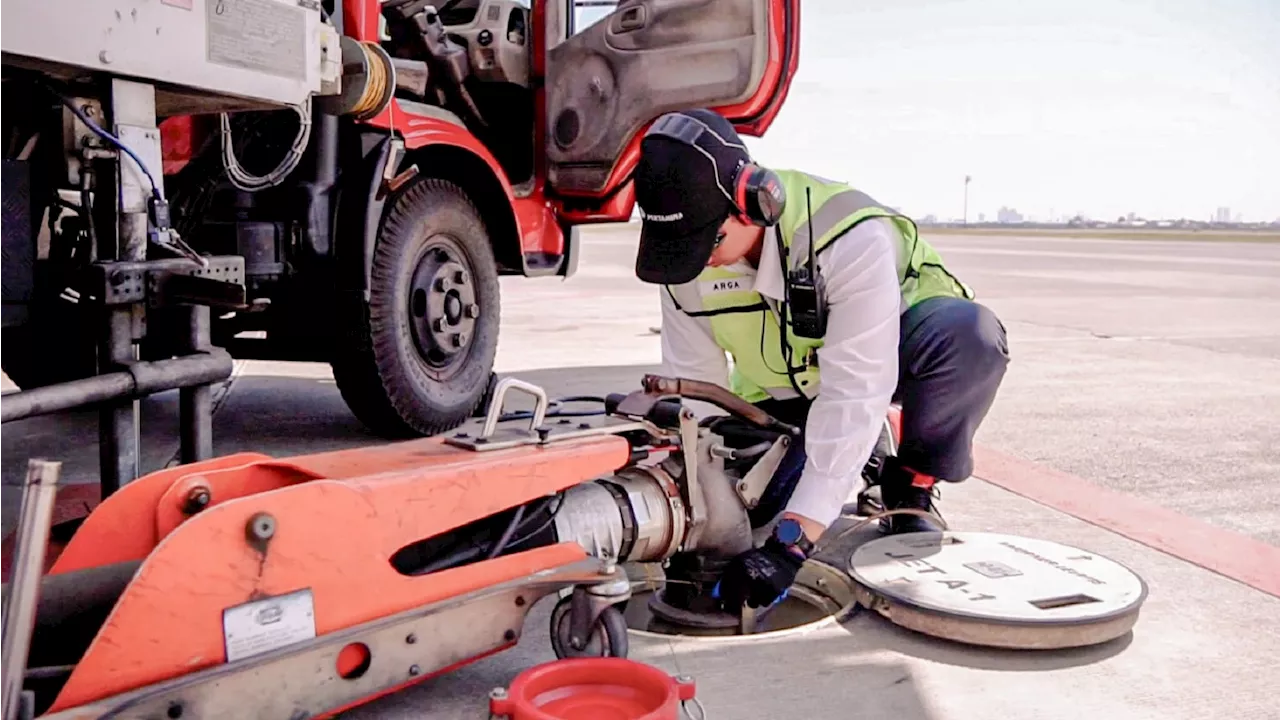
(605, 83)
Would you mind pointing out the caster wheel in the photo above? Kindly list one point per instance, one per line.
(608, 637)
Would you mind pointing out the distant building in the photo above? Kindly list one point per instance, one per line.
(1223, 215)
(1008, 215)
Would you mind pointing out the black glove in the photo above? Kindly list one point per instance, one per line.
(759, 577)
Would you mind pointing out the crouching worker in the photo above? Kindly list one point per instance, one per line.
(880, 318)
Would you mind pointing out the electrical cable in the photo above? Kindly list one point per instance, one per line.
(97, 130)
(506, 534)
(541, 528)
(375, 87)
(240, 178)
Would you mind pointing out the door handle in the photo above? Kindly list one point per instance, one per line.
(633, 18)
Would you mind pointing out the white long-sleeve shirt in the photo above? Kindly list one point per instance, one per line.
(858, 362)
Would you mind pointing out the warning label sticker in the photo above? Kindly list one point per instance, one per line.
(268, 36)
(264, 625)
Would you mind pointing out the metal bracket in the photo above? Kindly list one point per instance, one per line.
(482, 435)
(752, 485)
(696, 501)
(127, 283)
(500, 394)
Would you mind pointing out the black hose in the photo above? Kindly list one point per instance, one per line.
(475, 550)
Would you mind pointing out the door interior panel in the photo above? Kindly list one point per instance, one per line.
(648, 57)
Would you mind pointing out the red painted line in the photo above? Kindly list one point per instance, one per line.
(1224, 552)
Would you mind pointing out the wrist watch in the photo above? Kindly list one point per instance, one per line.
(790, 534)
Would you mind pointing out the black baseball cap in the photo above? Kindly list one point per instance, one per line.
(683, 187)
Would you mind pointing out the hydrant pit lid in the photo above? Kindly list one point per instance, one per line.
(997, 590)
(593, 689)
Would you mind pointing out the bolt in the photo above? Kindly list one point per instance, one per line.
(472, 311)
(414, 670)
(742, 486)
(498, 693)
(261, 527)
(438, 325)
(443, 284)
(584, 426)
(175, 710)
(563, 421)
(462, 436)
(520, 601)
(544, 432)
(105, 58)
(684, 679)
(411, 638)
(89, 110)
(460, 277)
(197, 499)
(509, 635)
(459, 339)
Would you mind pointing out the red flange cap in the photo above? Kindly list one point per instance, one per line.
(593, 689)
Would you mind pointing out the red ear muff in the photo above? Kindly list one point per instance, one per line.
(760, 195)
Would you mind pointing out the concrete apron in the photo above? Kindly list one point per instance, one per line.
(1199, 645)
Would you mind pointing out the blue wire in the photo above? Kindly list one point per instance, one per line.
(155, 189)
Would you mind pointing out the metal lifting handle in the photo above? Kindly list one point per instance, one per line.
(500, 394)
(24, 590)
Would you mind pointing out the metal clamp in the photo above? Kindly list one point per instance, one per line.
(696, 500)
(753, 484)
(499, 394)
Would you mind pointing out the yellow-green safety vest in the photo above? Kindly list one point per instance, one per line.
(739, 316)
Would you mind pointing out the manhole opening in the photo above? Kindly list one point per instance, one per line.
(819, 594)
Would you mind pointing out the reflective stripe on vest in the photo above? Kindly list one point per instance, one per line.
(747, 325)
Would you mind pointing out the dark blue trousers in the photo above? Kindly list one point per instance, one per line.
(952, 357)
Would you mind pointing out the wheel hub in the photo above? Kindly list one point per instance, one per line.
(442, 305)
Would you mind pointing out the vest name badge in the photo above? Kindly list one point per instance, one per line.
(712, 287)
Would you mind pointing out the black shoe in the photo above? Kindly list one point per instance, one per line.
(897, 493)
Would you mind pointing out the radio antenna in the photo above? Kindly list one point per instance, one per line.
(808, 209)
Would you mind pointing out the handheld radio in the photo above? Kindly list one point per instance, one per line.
(806, 289)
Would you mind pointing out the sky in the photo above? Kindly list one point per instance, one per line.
(1163, 108)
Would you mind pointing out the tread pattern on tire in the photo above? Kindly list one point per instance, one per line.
(365, 361)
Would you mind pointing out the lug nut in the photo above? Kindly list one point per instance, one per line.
(472, 311)
(443, 284)
(459, 339)
(438, 325)
(460, 277)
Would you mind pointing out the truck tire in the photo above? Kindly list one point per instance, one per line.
(416, 358)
